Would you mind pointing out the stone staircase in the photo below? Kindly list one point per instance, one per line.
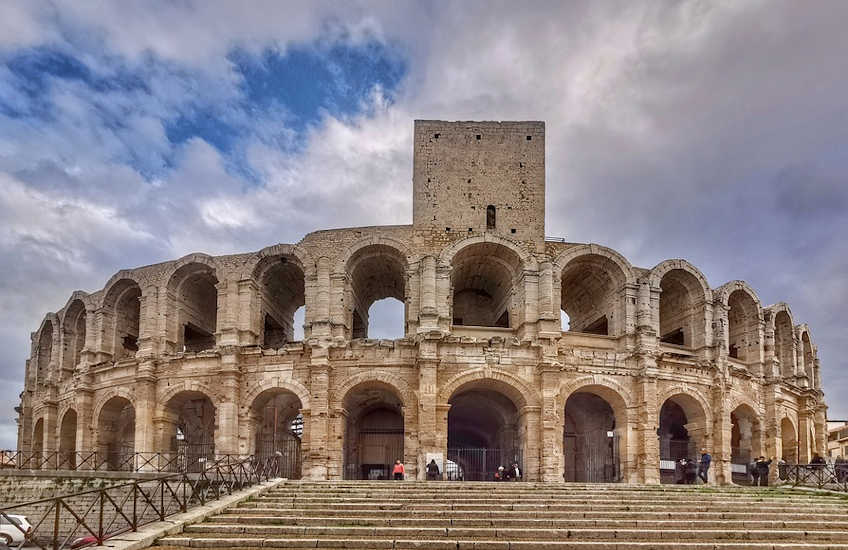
(523, 516)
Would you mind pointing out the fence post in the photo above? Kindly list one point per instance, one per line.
(56, 525)
(100, 518)
(135, 510)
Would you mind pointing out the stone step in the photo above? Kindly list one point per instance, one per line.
(517, 533)
(746, 513)
(488, 499)
(815, 522)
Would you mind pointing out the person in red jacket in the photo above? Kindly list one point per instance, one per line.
(397, 471)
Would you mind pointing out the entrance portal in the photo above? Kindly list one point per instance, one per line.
(681, 434)
(373, 432)
(279, 429)
(590, 444)
(483, 434)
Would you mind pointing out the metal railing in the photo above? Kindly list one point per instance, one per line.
(90, 517)
(821, 476)
(181, 460)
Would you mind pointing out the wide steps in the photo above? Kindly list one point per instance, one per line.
(519, 516)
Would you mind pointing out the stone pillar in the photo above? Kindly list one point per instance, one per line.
(820, 420)
(722, 435)
(411, 456)
(226, 415)
(551, 433)
(772, 435)
(427, 396)
(804, 443)
(648, 445)
(529, 419)
(50, 417)
(442, 410)
(145, 410)
(84, 405)
(444, 294)
(429, 313)
(249, 324)
(528, 323)
(319, 442)
(320, 314)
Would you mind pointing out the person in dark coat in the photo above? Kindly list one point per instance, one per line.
(433, 470)
(754, 473)
(690, 471)
(704, 466)
(763, 470)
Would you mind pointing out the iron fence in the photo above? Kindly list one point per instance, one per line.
(90, 517)
(480, 464)
(821, 476)
(183, 459)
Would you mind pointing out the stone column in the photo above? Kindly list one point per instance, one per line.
(528, 323)
(320, 314)
(804, 443)
(249, 314)
(427, 395)
(229, 382)
(50, 416)
(551, 433)
(411, 456)
(820, 420)
(319, 442)
(429, 313)
(648, 454)
(442, 410)
(722, 434)
(529, 419)
(84, 405)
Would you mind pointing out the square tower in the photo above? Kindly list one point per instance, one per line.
(480, 176)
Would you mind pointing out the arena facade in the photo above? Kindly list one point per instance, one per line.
(197, 355)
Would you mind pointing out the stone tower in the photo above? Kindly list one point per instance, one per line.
(471, 177)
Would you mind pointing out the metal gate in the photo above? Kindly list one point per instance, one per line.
(480, 464)
(374, 455)
(193, 457)
(592, 457)
(678, 449)
(287, 451)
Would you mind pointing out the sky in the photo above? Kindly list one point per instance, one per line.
(137, 132)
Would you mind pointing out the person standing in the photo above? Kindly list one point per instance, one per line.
(515, 472)
(704, 466)
(432, 470)
(762, 470)
(397, 470)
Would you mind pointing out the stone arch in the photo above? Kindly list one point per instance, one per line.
(808, 355)
(589, 282)
(280, 292)
(514, 388)
(779, 321)
(45, 348)
(528, 262)
(789, 441)
(190, 386)
(744, 319)
(745, 434)
(376, 427)
(114, 422)
(73, 335)
(600, 405)
(486, 285)
(275, 426)
(682, 314)
(685, 423)
(121, 311)
(256, 265)
(187, 417)
(375, 269)
(262, 386)
(68, 438)
(38, 439)
(192, 291)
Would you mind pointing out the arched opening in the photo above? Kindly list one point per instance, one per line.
(190, 421)
(38, 443)
(483, 280)
(809, 359)
(299, 322)
(783, 344)
(45, 351)
(123, 312)
(376, 272)
(282, 292)
(682, 310)
(68, 440)
(386, 319)
(743, 327)
(485, 431)
(591, 295)
(73, 337)
(682, 433)
(279, 429)
(744, 442)
(194, 287)
(374, 431)
(116, 434)
(491, 220)
(788, 441)
(590, 440)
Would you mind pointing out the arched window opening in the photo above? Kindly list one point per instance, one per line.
(788, 441)
(743, 323)
(37, 443)
(299, 322)
(809, 359)
(196, 293)
(374, 432)
(123, 312)
(377, 272)
(591, 289)
(590, 441)
(45, 351)
(68, 441)
(484, 276)
(485, 431)
(682, 310)
(490, 217)
(283, 292)
(279, 429)
(564, 320)
(744, 442)
(116, 434)
(783, 344)
(192, 429)
(385, 319)
(73, 337)
(682, 433)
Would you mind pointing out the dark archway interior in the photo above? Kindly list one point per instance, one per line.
(675, 443)
(377, 272)
(279, 428)
(483, 276)
(788, 441)
(589, 294)
(484, 432)
(116, 433)
(742, 326)
(193, 428)
(68, 439)
(282, 292)
(374, 432)
(590, 445)
(681, 309)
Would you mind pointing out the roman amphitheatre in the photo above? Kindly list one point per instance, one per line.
(196, 357)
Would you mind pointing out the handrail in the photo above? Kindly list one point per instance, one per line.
(96, 461)
(127, 506)
(821, 476)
